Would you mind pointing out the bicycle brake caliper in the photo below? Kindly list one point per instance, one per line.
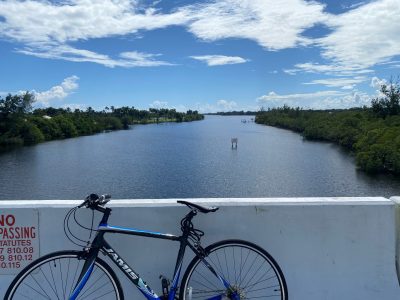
(201, 250)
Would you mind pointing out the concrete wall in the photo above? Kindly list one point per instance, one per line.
(328, 248)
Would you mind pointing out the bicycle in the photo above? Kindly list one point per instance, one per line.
(229, 269)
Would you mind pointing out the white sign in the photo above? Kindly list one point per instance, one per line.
(19, 239)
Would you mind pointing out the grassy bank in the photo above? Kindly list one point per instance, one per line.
(374, 140)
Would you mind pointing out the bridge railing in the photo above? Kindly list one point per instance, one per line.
(328, 248)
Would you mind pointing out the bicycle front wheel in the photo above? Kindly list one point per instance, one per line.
(248, 269)
(55, 276)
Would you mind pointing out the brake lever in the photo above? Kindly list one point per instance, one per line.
(84, 203)
(103, 199)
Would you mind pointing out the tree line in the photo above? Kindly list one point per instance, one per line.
(371, 133)
(21, 125)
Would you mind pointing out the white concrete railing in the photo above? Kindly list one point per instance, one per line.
(328, 248)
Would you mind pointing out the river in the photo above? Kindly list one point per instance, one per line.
(187, 160)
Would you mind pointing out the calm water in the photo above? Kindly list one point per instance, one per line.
(187, 160)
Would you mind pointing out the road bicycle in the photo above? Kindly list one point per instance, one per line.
(229, 269)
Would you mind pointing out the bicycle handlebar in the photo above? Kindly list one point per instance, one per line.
(93, 201)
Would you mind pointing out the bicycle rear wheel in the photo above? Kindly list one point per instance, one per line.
(250, 271)
(55, 275)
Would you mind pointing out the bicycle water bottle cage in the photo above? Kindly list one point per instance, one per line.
(202, 209)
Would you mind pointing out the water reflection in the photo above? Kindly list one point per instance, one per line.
(187, 160)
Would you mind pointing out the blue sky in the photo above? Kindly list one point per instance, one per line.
(205, 55)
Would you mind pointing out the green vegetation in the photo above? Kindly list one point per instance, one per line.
(372, 134)
(19, 125)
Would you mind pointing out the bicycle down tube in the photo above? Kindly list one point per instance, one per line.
(100, 243)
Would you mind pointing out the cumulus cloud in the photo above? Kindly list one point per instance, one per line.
(45, 22)
(376, 83)
(257, 20)
(222, 106)
(317, 100)
(46, 29)
(218, 60)
(58, 92)
(158, 104)
(364, 36)
(164, 104)
(226, 105)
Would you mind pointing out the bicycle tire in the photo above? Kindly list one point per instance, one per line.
(45, 278)
(245, 269)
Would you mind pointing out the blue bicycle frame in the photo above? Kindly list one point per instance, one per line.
(100, 244)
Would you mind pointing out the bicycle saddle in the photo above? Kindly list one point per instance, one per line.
(198, 207)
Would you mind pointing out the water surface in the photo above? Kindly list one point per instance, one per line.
(184, 160)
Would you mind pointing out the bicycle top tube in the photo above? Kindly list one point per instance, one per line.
(139, 232)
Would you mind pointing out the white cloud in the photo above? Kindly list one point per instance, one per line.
(364, 36)
(64, 52)
(332, 69)
(226, 105)
(181, 108)
(317, 100)
(221, 106)
(58, 92)
(139, 59)
(47, 29)
(31, 22)
(72, 20)
(344, 83)
(354, 5)
(159, 104)
(376, 83)
(164, 104)
(257, 20)
(348, 87)
(217, 60)
(290, 71)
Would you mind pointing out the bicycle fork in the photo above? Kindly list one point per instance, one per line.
(85, 273)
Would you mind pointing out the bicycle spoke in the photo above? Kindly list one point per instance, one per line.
(52, 276)
(255, 273)
(74, 280)
(33, 289)
(66, 280)
(250, 273)
(56, 279)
